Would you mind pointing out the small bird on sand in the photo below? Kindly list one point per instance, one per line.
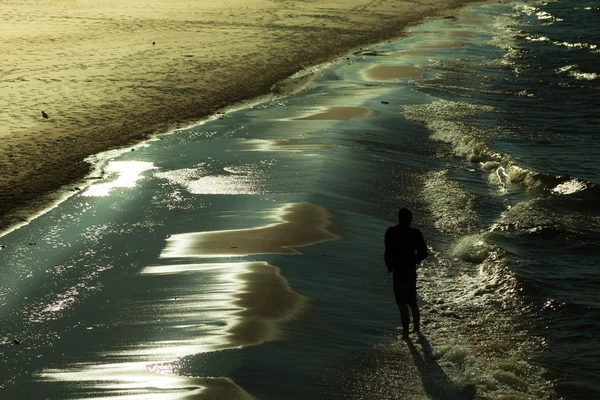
(44, 115)
(153, 43)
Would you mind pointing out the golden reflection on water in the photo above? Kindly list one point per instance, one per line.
(127, 174)
(245, 303)
(287, 146)
(210, 307)
(138, 381)
(298, 224)
(337, 114)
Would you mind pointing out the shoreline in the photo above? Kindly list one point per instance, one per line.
(100, 95)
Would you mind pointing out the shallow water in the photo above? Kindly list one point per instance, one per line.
(242, 257)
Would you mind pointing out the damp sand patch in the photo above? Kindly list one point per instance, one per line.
(392, 72)
(266, 302)
(441, 45)
(459, 34)
(253, 297)
(298, 224)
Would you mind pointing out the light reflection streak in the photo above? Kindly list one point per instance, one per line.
(336, 113)
(127, 380)
(199, 309)
(253, 298)
(286, 145)
(127, 174)
(241, 304)
(570, 187)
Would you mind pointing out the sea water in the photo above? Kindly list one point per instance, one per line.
(488, 132)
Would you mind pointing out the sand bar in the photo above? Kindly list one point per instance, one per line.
(393, 72)
(299, 224)
(266, 302)
(109, 73)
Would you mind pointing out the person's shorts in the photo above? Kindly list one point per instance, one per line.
(405, 292)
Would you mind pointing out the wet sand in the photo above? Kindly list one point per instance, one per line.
(392, 72)
(109, 75)
(247, 305)
(128, 380)
(300, 224)
(261, 300)
(266, 302)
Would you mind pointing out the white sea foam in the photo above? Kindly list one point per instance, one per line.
(455, 354)
(546, 16)
(505, 175)
(578, 45)
(489, 355)
(472, 248)
(445, 121)
(534, 38)
(526, 9)
(449, 203)
(535, 216)
(569, 187)
(572, 70)
(443, 117)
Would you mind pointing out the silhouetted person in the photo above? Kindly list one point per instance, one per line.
(404, 249)
(44, 115)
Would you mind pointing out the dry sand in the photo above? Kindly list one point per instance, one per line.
(91, 65)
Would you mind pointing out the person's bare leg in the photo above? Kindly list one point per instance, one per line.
(416, 314)
(404, 318)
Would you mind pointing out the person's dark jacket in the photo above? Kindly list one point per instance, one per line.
(404, 248)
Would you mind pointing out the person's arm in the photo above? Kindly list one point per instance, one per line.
(421, 249)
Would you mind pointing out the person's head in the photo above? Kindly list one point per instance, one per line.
(404, 216)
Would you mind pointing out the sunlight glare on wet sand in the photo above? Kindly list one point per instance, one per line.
(127, 174)
(337, 114)
(246, 304)
(138, 381)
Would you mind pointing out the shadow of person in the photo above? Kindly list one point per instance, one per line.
(436, 382)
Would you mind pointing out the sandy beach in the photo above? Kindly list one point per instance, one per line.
(108, 74)
(242, 256)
